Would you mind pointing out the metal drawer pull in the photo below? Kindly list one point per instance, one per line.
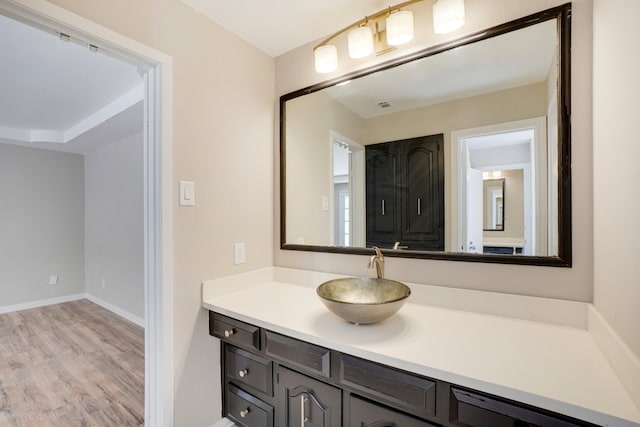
(303, 419)
(243, 373)
(229, 332)
(244, 413)
(383, 210)
(419, 206)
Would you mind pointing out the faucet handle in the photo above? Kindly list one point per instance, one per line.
(378, 253)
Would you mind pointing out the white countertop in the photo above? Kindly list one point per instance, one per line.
(552, 366)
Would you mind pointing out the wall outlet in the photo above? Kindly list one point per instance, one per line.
(239, 253)
(53, 280)
(104, 283)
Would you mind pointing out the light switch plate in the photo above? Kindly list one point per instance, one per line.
(187, 193)
(325, 203)
(239, 253)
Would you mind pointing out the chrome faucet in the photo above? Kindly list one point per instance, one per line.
(377, 261)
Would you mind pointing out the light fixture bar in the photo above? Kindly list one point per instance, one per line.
(370, 18)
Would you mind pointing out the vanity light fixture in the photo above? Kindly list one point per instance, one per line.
(366, 35)
(448, 15)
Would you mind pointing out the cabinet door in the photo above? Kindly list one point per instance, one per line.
(423, 195)
(367, 414)
(305, 402)
(383, 195)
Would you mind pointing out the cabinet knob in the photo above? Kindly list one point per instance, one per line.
(229, 332)
(244, 413)
(243, 373)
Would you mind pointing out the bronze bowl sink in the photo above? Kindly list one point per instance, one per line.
(363, 300)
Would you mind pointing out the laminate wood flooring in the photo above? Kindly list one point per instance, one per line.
(70, 364)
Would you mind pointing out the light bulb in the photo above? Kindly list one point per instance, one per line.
(326, 57)
(360, 41)
(448, 15)
(400, 27)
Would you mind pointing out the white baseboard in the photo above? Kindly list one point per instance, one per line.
(225, 422)
(624, 362)
(40, 303)
(117, 310)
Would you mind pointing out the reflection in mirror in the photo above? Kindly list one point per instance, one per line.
(493, 203)
(358, 159)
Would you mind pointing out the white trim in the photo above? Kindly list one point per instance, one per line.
(40, 303)
(122, 103)
(116, 310)
(159, 375)
(624, 362)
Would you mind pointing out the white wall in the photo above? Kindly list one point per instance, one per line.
(295, 70)
(616, 169)
(114, 224)
(41, 224)
(223, 113)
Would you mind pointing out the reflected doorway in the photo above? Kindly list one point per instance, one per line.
(516, 156)
(347, 186)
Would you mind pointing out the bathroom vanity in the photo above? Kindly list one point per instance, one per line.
(287, 361)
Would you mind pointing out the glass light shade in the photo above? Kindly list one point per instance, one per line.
(326, 58)
(400, 27)
(448, 15)
(360, 41)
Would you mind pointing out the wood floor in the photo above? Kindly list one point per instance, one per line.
(70, 364)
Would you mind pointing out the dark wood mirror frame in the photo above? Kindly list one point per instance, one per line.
(564, 257)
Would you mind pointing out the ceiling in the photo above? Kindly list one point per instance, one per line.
(277, 26)
(62, 96)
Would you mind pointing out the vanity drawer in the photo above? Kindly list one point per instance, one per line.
(478, 410)
(234, 331)
(366, 414)
(248, 410)
(249, 369)
(308, 357)
(400, 389)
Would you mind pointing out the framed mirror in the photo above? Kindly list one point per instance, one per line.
(396, 156)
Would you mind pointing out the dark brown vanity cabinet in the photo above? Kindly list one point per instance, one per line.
(405, 193)
(273, 380)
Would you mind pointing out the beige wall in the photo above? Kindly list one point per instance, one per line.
(616, 174)
(223, 100)
(310, 157)
(294, 70)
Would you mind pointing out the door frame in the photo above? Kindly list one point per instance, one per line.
(158, 178)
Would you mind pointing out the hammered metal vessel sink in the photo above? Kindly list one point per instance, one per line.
(363, 300)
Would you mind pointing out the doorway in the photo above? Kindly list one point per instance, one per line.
(348, 194)
(515, 153)
(157, 189)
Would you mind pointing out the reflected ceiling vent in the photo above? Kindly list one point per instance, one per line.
(384, 104)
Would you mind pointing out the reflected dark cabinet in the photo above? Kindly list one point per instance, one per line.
(405, 193)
